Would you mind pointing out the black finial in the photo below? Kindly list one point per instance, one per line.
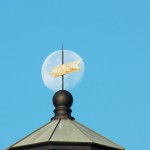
(62, 101)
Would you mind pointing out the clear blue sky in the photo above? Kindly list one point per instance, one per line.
(113, 38)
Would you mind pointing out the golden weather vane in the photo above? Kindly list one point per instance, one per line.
(64, 69)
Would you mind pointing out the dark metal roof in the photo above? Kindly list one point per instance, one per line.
(65, 130)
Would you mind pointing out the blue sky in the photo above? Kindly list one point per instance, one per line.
(112, 37)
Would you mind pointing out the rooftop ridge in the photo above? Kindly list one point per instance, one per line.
(54, 129)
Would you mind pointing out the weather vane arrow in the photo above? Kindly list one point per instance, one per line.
(64, 69)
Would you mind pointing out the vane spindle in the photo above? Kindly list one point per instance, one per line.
(62, 63)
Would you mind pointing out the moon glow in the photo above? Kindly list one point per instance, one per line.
(55, 59)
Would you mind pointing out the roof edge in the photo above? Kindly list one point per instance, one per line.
(63, 143)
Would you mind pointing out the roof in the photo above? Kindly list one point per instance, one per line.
(65, 130)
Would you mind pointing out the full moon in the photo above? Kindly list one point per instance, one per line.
(55, 59)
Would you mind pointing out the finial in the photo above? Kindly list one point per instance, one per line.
(62, 101)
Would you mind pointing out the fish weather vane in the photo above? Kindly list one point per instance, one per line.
(62, 69)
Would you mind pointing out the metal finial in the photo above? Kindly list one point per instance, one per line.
(62, 101)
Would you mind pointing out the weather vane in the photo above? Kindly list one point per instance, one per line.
(58, 68)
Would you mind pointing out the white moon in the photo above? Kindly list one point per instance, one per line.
(55, 59)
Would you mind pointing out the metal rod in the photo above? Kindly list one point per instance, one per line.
(62, 63)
